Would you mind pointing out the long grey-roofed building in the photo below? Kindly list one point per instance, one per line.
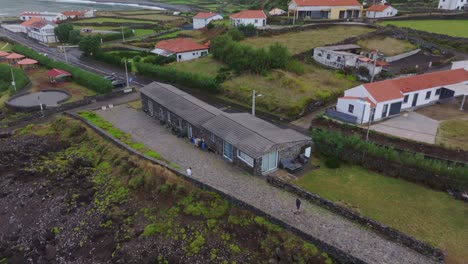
(241, 138)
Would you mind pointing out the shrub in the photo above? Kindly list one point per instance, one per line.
(248, 30)
(110, 59)
(84, 78)
(332, 163)
(151, 229)
(197, 244)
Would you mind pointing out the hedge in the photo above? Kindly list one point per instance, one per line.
(169, 75)
(347, 148)
(114, 36)
(21, 78)
(111, 59)
(87, 79)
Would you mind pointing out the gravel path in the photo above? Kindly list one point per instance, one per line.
(214, 171)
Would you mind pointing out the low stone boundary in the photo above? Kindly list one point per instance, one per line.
(33, 108)
(402, 55)
(384, 230)
(337, 254)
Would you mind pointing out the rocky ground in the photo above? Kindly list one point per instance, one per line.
(67, 196)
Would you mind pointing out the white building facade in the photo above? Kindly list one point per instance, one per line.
(49, 16)
(183, 49)
(453, 4)
(201, 20)
(43, 33)
(379, 100)
(256, 18)
(379, 11)
(327, 9)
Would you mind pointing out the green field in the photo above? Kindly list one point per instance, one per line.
(286, 93)
(386, 45)
(453, 134)
(204, 66)
(454, 28)
(302, 41)
(428, 215)
(101, 20)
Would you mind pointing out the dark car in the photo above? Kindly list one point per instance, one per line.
(110, 78)
(119, 84)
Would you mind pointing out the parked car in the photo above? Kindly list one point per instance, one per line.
(119, 83)
(110, 78)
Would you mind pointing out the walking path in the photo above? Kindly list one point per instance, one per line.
(211, 169)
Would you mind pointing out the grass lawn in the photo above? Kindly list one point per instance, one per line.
(5, 46)
(453, 134)
(114, 20)
(302, 41)
(387, 45)
(286, 93)
(98, 28)
(454, 28)
(428, 215)
(142, 32)
(205, 66)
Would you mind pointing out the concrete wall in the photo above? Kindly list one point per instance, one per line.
(203, 22)
(259, 22)
(190, 55)
(361, 109)
(402, 55)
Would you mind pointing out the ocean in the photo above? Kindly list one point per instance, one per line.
(15, 7)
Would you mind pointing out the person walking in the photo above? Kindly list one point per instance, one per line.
(298, 205)
(189, 171)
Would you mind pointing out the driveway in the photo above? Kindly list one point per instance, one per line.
(410, 125)
(211, 169)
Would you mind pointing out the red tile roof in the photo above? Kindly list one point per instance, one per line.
(14, 56)
(249, 14)
(378, 8)
(54, 73)
(3, 53)
(29, 22)
(394, 89)
(179, 45)
(205, 15)
(327, 2)
(359, 98)
(26, 62)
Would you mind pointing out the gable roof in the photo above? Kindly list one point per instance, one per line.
(250, 134)
(359, 98)
(179, 45)
(29, 22)
(249, 14)
(205, 15)
(191, 109)
(394, 89)
(326, 2)
(378, 8)
(40, 24)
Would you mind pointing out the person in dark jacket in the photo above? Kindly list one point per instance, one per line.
(298, 205)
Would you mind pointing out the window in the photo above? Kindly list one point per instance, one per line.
(328, 56)
(320, 54)
(246, 158)
(351, 108)
(227, 150)
(405, 100)
(212, 137)
(384, 110)
(338, 59)
(428, 95)
(438, 91)
(256, 21)
(193, 54)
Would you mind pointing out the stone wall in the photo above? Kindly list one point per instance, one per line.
(337, 254)
(384, 230)
(402, 55)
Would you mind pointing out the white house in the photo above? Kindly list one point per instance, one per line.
(78, 14)
(249, 17)
(379, 11)
(453, 4)
(375, 101)
(329, 9)
(202, 19)
(184, 49)
(40, 29)
(49, 16)
(460, 65)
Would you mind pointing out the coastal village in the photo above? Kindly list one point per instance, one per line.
(301, 131)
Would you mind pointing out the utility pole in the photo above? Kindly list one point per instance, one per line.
(12, 77)
(40, 105)
(253, 102)
(126, 72)
(375, 64)
(463, 103)
(123, 35)
(369, 123)
(65, 53)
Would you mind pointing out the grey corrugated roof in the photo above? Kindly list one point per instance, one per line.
(250, 134)
(194, 111)
(341, 47)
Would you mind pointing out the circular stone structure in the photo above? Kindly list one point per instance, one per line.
(50, 98)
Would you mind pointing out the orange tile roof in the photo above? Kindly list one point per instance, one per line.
(29, 22)
(205, 15)
(394, 89)
(326, 2)
(359, 98)
(179, 45)
(378, 8)
(249, 14)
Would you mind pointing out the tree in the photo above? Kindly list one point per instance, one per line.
(74, 37)
(90, 45)
(62, 32)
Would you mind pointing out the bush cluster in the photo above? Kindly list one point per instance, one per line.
(111, 59)
(240, 57)
(170, 75)
(337, 145)
(128, 32)
(21, 78)
(85, 78)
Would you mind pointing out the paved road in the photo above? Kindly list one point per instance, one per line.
(214, 171)
(410, 125)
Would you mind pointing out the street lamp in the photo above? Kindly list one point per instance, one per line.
(65, 53)
(12, 77)
(253, 101)
(123, 35)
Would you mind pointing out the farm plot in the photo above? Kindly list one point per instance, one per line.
(454, 28)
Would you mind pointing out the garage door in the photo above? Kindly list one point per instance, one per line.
(395, 109)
